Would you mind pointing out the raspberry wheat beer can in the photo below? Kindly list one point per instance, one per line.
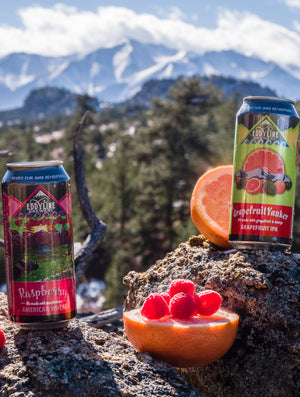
(39, 255)
(264, 175)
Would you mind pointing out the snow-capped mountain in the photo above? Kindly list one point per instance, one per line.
(116, 74)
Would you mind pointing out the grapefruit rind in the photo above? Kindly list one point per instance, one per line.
(215, 232)
(194, 342)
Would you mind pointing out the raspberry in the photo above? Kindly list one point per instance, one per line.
(2, 339)
(182, 305)
(207, 302)
(154, 307)
(166, 297)
(181, 285)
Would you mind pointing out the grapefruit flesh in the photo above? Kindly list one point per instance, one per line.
(254, 186)
(264, 159)
(193, 342)
(210, 205)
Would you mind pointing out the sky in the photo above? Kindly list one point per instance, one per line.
(268, 29)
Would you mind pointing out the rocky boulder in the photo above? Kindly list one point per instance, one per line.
(263, 288)
(80, 361)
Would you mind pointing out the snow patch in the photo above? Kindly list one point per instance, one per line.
(56, 70)
(179, 56)
(293, 70)
(13, 81)
(254, 75)
(209, 70)
(161, 62)
(120, 60)
(167, 73)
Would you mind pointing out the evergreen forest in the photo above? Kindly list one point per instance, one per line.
(141, 166)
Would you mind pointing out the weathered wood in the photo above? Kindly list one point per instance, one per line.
(105, 317)
(98, 228)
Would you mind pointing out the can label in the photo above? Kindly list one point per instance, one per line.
(265, 162)
(39, 249)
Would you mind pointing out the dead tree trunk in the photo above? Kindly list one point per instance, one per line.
(96, 236)
(98, 228)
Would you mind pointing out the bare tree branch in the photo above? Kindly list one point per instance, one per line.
(106, 317)
(98, 228)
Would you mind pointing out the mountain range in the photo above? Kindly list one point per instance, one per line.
(114, 75)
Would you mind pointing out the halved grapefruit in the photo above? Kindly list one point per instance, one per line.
(265, 159)
(194, 342)
(210, 205)
(254, 185)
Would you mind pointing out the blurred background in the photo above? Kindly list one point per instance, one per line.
(163, 83)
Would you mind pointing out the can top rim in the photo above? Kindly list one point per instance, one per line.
(33, 164)
(269, 98)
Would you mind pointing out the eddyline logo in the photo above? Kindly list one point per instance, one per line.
(40, 203)
(265, 131)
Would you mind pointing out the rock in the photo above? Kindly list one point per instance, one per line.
(81, 361)
(263, 288)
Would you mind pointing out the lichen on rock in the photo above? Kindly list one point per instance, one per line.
(262, 286)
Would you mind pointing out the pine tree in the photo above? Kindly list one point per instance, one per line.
(171, 153)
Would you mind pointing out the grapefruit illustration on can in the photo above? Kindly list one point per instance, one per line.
(264, 172)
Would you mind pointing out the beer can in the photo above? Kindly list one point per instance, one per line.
(39, 252)
(264, 173)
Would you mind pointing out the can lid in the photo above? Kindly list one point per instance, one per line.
(267, 98)
(33, 164)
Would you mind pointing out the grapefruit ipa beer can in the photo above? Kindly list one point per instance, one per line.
(38, 238)
(265, 162)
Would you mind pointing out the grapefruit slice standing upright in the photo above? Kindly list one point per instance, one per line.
(210, 205)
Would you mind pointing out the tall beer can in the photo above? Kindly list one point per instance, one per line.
(39, 253)
(264, 174)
